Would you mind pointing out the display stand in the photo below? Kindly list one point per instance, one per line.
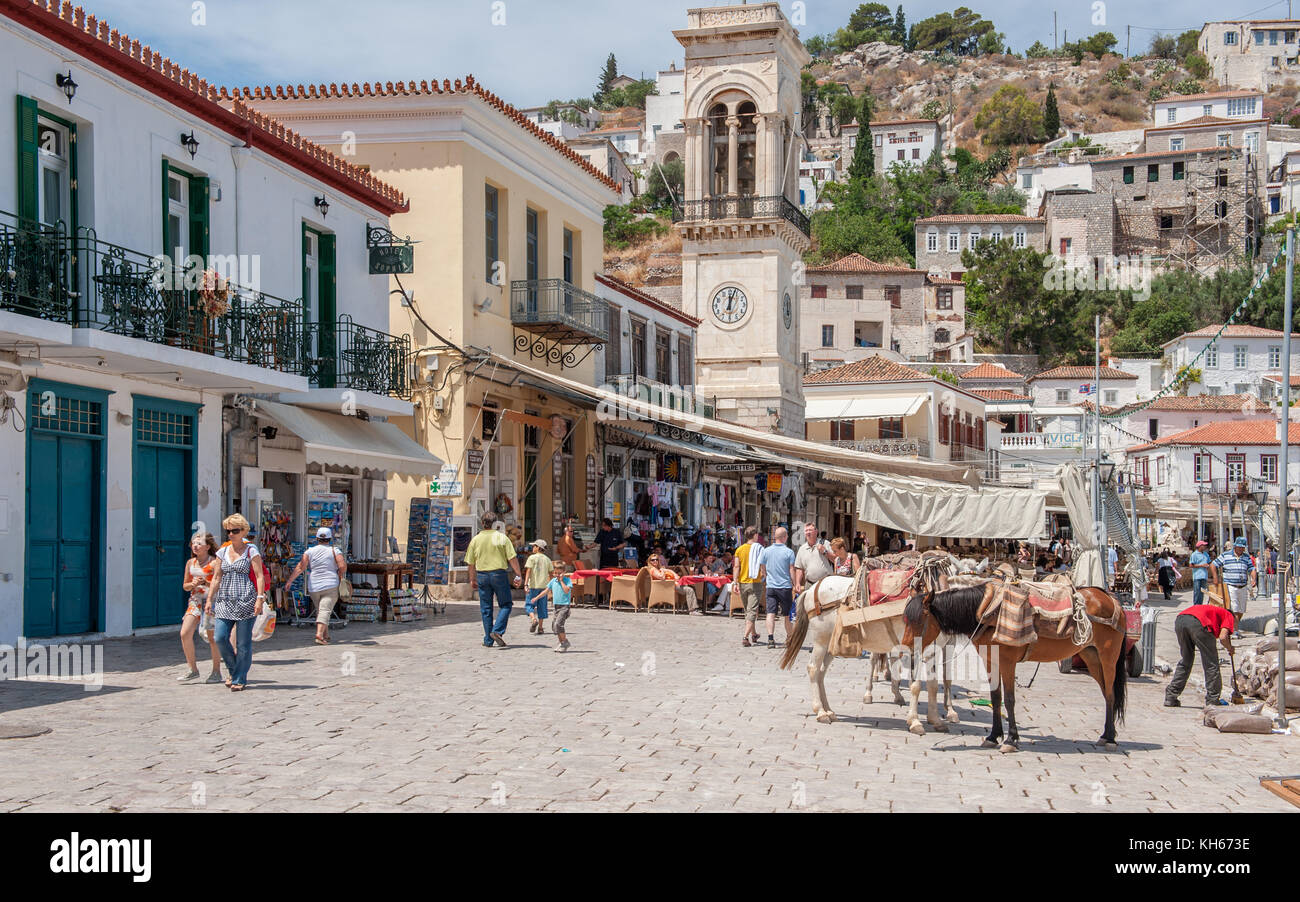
(428, 547)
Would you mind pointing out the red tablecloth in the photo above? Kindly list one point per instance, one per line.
(718, 581)
(608, 574)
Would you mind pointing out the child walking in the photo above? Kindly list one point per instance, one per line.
(560, 592)
(539, 568)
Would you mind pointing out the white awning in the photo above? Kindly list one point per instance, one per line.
(999, 407)
(329, 438)
(925, 507)
(862, 408)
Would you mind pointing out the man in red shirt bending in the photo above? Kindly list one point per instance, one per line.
(1196, 628)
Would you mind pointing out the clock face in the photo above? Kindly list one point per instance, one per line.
(787, 310)
(730, 305)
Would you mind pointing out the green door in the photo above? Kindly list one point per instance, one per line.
(63, 589)
(530, 495)
(163, 509)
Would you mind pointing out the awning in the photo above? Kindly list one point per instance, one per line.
(924, 507)
(998, 407)
(862, 408)
(329, 438)
(668, 444)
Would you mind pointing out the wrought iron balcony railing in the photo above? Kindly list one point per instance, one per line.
(559, 311)
(355, 357)
(743, 207)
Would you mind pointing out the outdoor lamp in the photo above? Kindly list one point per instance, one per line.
(67, 84)
(1105, 470)
(190, 143)
(323, 205)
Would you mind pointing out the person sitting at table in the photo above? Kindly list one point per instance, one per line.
(678, 556)
(659, 570)
(708, 567)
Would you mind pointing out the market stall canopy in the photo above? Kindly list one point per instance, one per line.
(928, 508)
(798, 452)
(862, 408)
(347, 441)
(1088, 569)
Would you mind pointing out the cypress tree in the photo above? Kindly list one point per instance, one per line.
(1051, 114)
(900, 28)
(607, 76)
(863, 165)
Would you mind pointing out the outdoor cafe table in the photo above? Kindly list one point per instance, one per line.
(608, 573)
(718, 581)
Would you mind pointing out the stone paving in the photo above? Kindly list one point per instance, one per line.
(647, 712)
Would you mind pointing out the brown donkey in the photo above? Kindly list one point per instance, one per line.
(955, 612)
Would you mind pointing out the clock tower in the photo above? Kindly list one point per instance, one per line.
(742, 234)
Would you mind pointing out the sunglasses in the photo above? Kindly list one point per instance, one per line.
(234, 531)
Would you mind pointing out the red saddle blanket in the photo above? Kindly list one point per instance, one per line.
(888, 585)
(1049, 598)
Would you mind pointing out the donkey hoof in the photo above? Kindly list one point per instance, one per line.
(826, 717)
(866, 699)
(1110, 746)
(1007, 748)
(941, 726)
(917, 728)
(952, 717)
(899, 700)
(989, 744)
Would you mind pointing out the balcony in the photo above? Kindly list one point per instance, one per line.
(672, 397)
(82, 281)
(712, 209)
(893, 447)
(1041, 441)
(554, 318)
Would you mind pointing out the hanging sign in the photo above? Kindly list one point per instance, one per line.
(389, 255)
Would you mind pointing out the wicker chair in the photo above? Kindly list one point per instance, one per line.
(633, 590)
(662, 592)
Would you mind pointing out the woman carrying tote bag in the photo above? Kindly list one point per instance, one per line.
(326, 569)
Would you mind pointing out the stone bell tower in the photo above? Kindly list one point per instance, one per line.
(741, 226)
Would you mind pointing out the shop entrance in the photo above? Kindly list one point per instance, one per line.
(530, 496)
(163, 509)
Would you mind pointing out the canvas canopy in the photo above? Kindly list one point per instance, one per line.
(928, 508)
(1088, 569)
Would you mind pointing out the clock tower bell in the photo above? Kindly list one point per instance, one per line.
(742, 235)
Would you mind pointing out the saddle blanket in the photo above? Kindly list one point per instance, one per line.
(1018, 612)
(888, 585)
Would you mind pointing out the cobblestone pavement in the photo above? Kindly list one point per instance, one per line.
(650, 712)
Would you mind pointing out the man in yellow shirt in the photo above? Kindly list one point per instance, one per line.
(747, 583)
(489, 557)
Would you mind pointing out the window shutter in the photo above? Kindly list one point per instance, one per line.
(328, 313)
(166, 207)
(199, 236)
(28, 166)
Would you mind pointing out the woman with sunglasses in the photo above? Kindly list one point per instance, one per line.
(236, 598)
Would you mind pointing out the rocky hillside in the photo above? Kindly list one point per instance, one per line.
(1095, 96)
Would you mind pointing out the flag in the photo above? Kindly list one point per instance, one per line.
(1086, 389)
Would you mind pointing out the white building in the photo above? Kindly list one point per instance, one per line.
(127, 171)
(896, 142)
(1255, 54)
(1179, 109)
(1179, 413)
(664, 110)
(1236, 364)
(568, 121)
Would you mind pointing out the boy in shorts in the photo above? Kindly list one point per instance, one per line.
(560, 593)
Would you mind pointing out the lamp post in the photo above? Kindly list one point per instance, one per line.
(1282, 531)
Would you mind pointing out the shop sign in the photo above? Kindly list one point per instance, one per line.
(447, 485)
(389, 255)
(774, 482)
(733, 468)
(474, 462)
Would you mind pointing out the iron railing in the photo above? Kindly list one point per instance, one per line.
(536, 303)
(35, 264)
(356, 357)
(742, 207)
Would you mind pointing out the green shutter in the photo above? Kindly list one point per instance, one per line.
(199, 219)
(166, 206)
(328, 311)
(28, 166)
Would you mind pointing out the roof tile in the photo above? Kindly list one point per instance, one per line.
(990, 370)
(1081, 372)
(1230, 432)
(859, 263)
(876, 368)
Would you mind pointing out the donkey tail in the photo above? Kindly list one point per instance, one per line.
(794, 641)
(1120, 686)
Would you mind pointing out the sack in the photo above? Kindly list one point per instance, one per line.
(345, 589)
(206, 622)
(264, 625)
(1243, 723)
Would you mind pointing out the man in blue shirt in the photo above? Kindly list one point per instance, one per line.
(776, 568)
(1238, 576)
(1200, 562)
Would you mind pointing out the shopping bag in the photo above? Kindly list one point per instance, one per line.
(264, 625)
(206, 622)
(345, 589)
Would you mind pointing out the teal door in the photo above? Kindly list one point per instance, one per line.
(163, 506)
(530, 495)
(63, 588)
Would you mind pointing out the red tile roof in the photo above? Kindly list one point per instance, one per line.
(859, 263)
(1230, 432)
(1146, 155)
(989, 370)
(980, 217)
(1207, 403)
(998, 394)
(876, 368)
(889, 122)
(1178, 98)
(649, 300)
(105, 46)
(1236, 330)
(1081, 372)
(1277, 377)
(391, 89)
(943, 280)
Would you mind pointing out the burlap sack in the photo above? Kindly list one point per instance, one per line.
(1234, 722)
(1270, 643)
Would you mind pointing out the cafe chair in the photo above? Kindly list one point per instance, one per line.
(662, 592)
(625, 589)
(737, 604)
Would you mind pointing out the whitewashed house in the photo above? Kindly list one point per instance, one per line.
(160, 255)
(1235, 364)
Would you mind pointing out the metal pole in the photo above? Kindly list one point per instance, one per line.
(1218, 530)
(1096, 404)
(1282, 530)
(1200, 512)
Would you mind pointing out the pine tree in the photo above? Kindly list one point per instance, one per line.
(900, 27)
(607, 76)
(863, 165)
(1051, 114)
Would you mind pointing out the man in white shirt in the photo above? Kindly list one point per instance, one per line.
(812, 561)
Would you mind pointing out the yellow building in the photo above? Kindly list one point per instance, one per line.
(509, 224)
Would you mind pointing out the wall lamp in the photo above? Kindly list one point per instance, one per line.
(67, 84)
(323, 205)
(190, 143)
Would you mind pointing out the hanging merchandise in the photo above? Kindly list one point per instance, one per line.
(330, 509)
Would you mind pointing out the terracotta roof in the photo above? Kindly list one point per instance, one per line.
(998, 394)
(646, 299)
(391, 89)
(1081, 372)
(1177, 98)
(859, 263)
(1205, 122)
(980, 217)
(990, 370)
(1236, 330)
(1204, 403)
(94, 39)
(889, 122)
(1229, 432)
(876, 368)
(1277, 377)
(943, 280)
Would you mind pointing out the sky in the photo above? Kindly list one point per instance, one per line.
(531, 51)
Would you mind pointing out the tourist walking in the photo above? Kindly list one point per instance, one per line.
(490, 558)
(1200, 564)
(811, 562)
(236, 598)
(196, 581)
(1197, 628)
(326, 568)
(776, 570)
(538, 569)
(745, 580)
(1167, 574)
(559, 591)
(1239, 575)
